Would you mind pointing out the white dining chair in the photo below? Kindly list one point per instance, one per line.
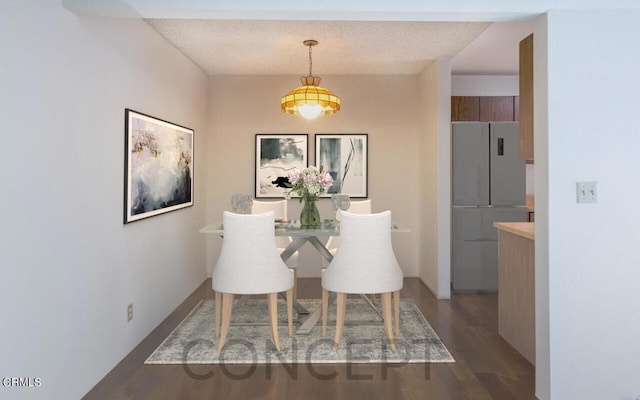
(365, 264)
(249, 264)
(358, 207)
(279, 208)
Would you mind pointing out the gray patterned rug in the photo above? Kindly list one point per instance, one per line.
(194, 341)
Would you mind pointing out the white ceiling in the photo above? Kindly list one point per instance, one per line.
(494, 52)
(274, 47)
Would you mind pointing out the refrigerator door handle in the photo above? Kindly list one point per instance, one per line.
(500, 146)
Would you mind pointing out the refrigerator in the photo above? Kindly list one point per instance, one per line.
(488, 185)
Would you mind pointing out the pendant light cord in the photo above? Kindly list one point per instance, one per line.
(310, 62)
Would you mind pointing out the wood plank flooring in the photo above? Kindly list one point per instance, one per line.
(486, 366)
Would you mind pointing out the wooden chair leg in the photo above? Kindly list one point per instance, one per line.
(227, 307)
(295, 283)
(218, 300)
(396, 310)
(290, 298)
(273, 316)
(325, 306)
(340, 314)
(386, 314)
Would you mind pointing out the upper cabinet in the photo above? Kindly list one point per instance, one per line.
(465, 108)
(497, 108)
(484, 108)
(526, 98)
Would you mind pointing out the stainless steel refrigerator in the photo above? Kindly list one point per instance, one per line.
(488, 185)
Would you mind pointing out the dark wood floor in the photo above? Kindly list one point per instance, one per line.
(486, 366)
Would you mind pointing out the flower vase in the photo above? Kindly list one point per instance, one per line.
(310, 215)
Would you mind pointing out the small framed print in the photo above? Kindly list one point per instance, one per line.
(158, 166)
(344, 156)
(276, 155)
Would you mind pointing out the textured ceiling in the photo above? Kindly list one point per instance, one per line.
(274, 47)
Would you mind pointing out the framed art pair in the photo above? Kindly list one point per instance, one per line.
(344, 156)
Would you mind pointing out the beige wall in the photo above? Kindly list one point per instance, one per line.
(384, 107)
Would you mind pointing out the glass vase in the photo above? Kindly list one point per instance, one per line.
(310, 215)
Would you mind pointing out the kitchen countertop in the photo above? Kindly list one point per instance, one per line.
(524, 229)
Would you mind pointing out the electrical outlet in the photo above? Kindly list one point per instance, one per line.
(129, 312)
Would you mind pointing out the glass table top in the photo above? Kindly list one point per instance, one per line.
(327, 227)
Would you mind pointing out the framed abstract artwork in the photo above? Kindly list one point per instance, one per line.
(158, 166)
(276, 155)
(345, 157)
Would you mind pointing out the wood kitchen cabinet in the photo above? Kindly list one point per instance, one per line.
(483, 108)
(526, 98)
(496, 108)
(465, 108)
(516, 286)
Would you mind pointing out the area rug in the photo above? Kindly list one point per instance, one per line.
(194, 341)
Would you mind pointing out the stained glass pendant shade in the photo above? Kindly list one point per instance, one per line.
(310, 100)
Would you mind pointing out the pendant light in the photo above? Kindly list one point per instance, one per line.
(310, 100)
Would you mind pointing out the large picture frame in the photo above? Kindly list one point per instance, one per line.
(158, 166)
(345, 157)
(276, 155)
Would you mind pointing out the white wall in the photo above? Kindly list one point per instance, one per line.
(589, 74)
(68, 265)
(541, 150)
(485, 85)
(384, 107)
(435, 182)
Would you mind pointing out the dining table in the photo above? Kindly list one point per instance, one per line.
(301, 235)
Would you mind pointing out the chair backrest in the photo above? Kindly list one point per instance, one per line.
(358, 207)
(365, 262)
(279, 208)
(249, 262)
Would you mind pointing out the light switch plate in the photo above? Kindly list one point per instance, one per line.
(586, 192)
